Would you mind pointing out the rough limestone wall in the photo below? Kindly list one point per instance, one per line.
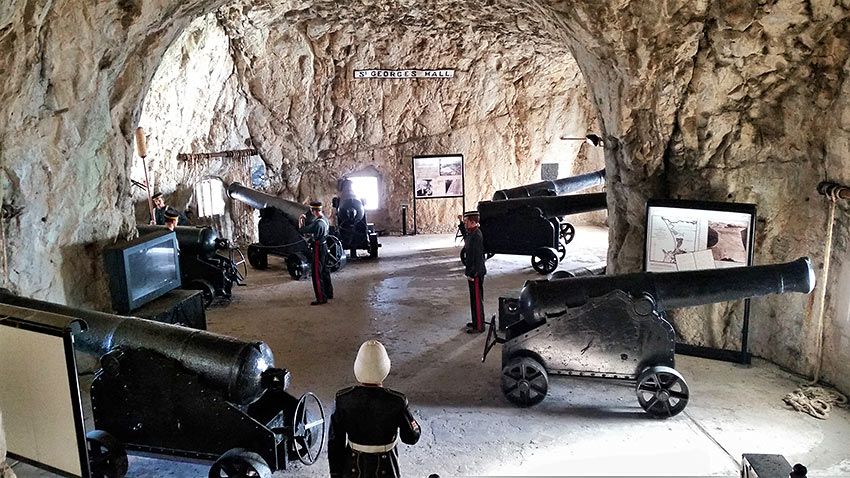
(747, 100)
(73, 76)
(504, 111)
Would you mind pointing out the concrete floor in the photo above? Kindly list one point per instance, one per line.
(414, 299)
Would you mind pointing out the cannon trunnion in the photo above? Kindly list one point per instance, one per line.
(278, 233)
(615, 327)
(174, 391)
(201, 266)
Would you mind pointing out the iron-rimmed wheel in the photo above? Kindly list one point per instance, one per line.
(295, 265)
(308, 428)
(373, 246)
(544, 260)
(107, 457)
(257, 258)
(206, 288)
(662, 391)
(463, 256)
(568, 232)
(240, 463)
(336, 253)
(562, 250)
(241, 272)
(524, 381)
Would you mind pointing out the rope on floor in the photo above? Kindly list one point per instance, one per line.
(815, 400)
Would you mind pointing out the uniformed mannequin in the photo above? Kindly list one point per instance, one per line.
(159, 211)
(368, 420)
(316, 231)
(171, 218)
(475, 270)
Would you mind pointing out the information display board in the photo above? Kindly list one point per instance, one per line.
(437, 177)
(686, 235)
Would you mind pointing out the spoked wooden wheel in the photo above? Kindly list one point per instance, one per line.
(524, 381)
(568, 232)
(662, 391)
(336, 253)
(544, 260)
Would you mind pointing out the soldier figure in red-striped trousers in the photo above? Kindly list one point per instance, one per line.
(475, 270)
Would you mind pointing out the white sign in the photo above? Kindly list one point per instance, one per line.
(403, 74)
(438, 176)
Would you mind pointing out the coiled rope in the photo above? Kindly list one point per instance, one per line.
(815, 400)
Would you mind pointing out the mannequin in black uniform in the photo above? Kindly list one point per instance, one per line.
(316, 232)
(368, 420)
(475, 270)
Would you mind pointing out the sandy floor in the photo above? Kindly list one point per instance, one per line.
(414, 299)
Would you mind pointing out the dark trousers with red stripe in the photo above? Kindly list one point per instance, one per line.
(320, 274)
(476, 301)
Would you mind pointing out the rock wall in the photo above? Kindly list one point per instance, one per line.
(742, 100)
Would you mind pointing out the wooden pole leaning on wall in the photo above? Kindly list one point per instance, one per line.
(834, 192)
(142, 149)
(236, 153)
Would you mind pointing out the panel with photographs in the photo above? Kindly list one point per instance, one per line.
(438, 176)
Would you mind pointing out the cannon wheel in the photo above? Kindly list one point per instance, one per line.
(662, 391)
(240, 463)
(524, 381)
(488, 255)
(257, 258)
(295, 266)
(544, 260)
(206, 288)
(336, 253)
(568, 232)
(373, 246)
(306, 429)
(562, 250)
(241, 272)
(107, 456)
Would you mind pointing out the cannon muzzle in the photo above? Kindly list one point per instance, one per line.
(557, 187)
(258, 200)
(550, 207)
(232, 365)
(667, 290)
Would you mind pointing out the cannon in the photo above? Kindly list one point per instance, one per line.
(558, 187)
(278, 231)
(533, 226)
(351, 227)
(201, 266)
(177, 392)
(615, 327)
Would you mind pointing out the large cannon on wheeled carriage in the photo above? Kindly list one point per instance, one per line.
(278, 231)
(533, 226)
(202, 266)
(557, 187)
(615, 327)
(351, 227)
(178, 392)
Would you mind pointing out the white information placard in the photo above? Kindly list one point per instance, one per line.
(438, 176)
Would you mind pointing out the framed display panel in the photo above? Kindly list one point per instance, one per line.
(689, 235)
(438, 177)
(40, 393)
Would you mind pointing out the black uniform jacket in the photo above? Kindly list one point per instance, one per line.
(368, 415)
(474, 243)
(317, 228)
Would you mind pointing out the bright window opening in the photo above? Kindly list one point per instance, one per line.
(210, 196)
(366, 188)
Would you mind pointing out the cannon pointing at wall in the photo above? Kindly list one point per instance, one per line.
(175, 391)
(278, 231)
(615, 327)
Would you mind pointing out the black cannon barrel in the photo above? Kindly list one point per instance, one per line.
(670, 290)
(350, 208)
(201, 241)
(260, 200)
(557, 187)
(230, 364)
(552, 206)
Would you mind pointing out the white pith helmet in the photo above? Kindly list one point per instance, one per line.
(372, 364)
